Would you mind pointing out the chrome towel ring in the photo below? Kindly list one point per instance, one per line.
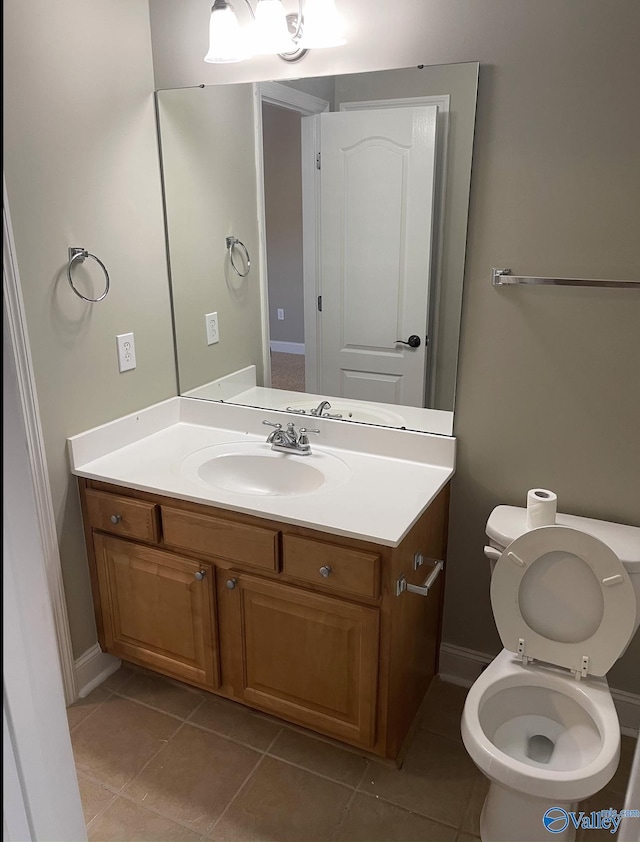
(232, 242)
(78, 255)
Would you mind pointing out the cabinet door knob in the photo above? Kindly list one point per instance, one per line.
(231, 583)
(326, 571)
(200, 575)
(116, 518)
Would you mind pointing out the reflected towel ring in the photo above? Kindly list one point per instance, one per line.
(79, 255)
(234, 241)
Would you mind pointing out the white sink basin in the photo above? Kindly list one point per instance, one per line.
(253, 468)
(357, 411)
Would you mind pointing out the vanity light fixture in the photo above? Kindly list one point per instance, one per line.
(271, 31)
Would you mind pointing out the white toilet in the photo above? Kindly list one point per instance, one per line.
(540, 722)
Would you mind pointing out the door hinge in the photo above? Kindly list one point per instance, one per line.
(319, 304)
(318, 161)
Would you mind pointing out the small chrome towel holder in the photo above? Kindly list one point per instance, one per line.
(79, 255)
(232, 242)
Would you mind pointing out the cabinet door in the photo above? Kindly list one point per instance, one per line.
(309, 658)
(157, 611)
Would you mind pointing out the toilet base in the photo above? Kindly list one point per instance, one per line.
(510, 816)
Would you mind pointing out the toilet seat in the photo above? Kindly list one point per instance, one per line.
(563, 597)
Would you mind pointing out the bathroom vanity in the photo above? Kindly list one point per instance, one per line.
(290, 598)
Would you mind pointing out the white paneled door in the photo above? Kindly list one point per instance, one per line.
(376, 210)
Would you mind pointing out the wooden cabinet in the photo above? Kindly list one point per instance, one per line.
(158, 609)
(301, 624)
(310, 658)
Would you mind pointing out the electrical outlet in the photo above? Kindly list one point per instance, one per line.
(280, 314)
(213, 335)
(126, 351)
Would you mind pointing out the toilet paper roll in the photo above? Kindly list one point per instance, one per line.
(542, 506)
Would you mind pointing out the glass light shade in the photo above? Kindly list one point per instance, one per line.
(225, 37)
(322, 26)
(270, 33)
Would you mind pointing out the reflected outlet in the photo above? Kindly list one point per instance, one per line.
(213, 335)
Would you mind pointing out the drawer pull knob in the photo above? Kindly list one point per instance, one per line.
(116, 518)
(326, 571)
(231, 583)
(200, 575)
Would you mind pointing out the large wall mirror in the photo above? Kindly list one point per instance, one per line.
(316, 234)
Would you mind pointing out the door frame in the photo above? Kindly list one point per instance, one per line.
(41, 788)
(19, 338)
(306, 105)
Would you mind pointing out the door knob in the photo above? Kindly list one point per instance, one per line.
(200, 575)
(115, 518)
(326, 571)
(231, 583)
(413, 341)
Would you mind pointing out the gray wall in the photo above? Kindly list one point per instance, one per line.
(548, 378)
(208, 155)
(81, 167)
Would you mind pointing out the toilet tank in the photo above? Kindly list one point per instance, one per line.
(506, 523)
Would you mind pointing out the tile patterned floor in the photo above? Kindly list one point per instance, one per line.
(159, 761)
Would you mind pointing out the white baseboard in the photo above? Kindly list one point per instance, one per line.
(92, 668)
(287, 347)
(462, 666)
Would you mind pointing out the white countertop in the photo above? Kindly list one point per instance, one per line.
(392, 476)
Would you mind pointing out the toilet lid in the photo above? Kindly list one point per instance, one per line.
(560, 596)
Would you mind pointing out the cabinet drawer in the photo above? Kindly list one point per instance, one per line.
(122, 515)
(346, 570)
(214, 536)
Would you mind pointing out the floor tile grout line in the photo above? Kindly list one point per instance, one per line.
(196, 709)
(272, 743)
(91, 712)
(157, 812)
(112, 800)
(121, 793)
(165, 743)
(154, 708)
(230, 739)
(311, 771)
(345, 812)
(431, 819)
(407, 810)
(469, 807)
(234, 797)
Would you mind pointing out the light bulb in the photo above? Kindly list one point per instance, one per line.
(270, 30)
(322, 26)
(225, 38)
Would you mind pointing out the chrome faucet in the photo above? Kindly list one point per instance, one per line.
(321, 408)
(289, 440)
(319, 411)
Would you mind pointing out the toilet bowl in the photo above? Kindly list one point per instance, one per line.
(540, 722)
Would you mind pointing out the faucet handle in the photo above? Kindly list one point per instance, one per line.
(271, 424)
(303, 440)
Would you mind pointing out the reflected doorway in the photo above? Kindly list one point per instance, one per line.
(282, 162)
